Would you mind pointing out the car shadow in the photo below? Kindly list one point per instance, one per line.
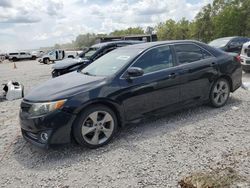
(129, 138)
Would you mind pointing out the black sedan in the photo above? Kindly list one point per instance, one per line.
(229, 44)
(124, 85)
(85, 58)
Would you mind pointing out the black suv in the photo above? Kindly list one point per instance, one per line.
(229, 44)
(87, 57)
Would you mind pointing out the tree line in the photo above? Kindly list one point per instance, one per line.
(220, 18)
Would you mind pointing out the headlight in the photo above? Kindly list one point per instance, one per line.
(44, 108)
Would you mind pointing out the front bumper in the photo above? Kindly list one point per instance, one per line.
(57, 126)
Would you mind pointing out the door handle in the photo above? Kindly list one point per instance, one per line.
(213, 64)
(172, 75)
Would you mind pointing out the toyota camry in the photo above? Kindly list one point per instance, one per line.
(126, 85)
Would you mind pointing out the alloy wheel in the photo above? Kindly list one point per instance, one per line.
(220, 92)
(97, 128)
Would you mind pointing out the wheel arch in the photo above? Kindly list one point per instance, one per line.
(100, 102)
(229, 79)
(113, 106)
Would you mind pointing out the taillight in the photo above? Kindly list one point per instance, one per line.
(237, 58)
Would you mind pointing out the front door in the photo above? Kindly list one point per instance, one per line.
(159, 87)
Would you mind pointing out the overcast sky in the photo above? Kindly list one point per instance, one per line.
(29, 24)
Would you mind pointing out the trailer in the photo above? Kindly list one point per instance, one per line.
(145, 38)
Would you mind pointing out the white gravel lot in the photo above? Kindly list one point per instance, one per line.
(155, 153)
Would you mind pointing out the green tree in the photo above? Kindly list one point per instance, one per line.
(128, 31)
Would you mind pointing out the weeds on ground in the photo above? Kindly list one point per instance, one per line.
(219, 178)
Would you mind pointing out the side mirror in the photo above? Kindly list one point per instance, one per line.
(134, 72)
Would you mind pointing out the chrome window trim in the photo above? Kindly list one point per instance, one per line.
(176, 63)
(212, 56)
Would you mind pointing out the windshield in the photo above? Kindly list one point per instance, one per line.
(111, 63)
(90, 52)
(51, 53)
(82, 54)
(219, 42)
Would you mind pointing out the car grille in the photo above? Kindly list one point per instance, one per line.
(25, 106)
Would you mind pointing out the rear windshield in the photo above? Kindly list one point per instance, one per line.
(219, 42)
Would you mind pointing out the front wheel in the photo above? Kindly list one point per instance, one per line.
(219, 93)
(33, 58)
(95, 127)
(46, 61)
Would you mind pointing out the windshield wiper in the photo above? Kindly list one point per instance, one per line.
(87, 73)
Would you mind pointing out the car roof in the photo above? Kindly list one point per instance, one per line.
(148, 45)
(153, 44)
(99, 45)
(229, 38)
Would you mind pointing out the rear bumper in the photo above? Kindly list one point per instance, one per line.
(236, 78)
(246, 67)
(245, 62)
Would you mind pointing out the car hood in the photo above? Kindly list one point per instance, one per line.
(69, 62)
(64, 86)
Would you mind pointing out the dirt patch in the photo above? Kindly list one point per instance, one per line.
(219, 178)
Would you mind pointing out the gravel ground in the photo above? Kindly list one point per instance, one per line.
(155, 153)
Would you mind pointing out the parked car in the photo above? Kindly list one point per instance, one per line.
(245, 57)
(87, 57)
(56, 55)
(2, 57)
(21, 56)
(38, 54)
(229, 44)
(124, 85)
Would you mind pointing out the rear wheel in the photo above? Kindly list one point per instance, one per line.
(46, 61)
(219, 93)
(95, 127)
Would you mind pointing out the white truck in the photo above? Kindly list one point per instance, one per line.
(55, 55)
(21, 55)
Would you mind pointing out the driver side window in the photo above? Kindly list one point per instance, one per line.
(155, 59)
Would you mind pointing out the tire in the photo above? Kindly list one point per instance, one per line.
(92, 130)
(33, 58)
(46, 61)
(14, 59)
(219, 93)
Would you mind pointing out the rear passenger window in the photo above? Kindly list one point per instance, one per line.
(206, 54)
(187, 53)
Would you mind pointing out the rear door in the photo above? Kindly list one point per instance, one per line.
(198, 71)
(158, 88)
(23, 55)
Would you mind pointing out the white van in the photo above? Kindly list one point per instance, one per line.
(245, 57)
(55, 55)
